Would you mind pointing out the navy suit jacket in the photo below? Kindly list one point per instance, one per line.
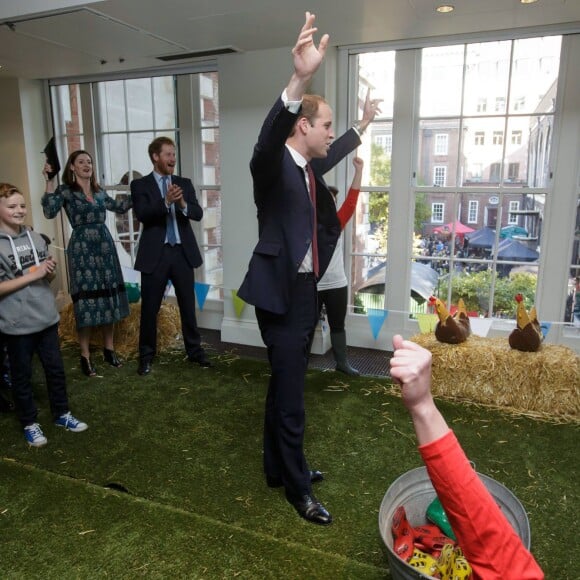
(285, 212)
(150, 209)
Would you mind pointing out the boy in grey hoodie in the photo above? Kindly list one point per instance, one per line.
(29, 318)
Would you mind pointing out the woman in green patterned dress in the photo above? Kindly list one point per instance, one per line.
(96, 283)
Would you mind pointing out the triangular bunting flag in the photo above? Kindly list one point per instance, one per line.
(238, 303)
(201, 291)
(376, 318)
(480, 326)
(167, 289)
(427, 322)
(545, 326)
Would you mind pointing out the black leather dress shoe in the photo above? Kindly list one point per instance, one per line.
(144, 367)
(309, 508)
(202, 361)
(275, 481)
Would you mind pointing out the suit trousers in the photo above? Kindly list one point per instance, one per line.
(287, 337)
(173, 266)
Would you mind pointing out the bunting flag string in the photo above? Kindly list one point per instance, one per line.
(376, 316)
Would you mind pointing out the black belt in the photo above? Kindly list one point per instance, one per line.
(305, 276)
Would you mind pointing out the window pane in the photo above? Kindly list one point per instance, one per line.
(209, 99)
(486, 77)
(572, 313)
(368, 282)
(112, 106)
(139, 104)
(535, 71)
(482, 149)
(114, 158)
(436, 167)
(210, 156)
(382, 136)
(164, 99)
(211, 243)
(377, 71)
(441, 81)
(138, 144)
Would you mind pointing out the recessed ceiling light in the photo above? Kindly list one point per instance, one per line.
(444, 8)
(528, 1)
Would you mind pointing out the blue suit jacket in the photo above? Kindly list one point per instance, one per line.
(151, 211)
(285, 212)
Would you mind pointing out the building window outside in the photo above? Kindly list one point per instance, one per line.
(472, 213)
(516, 138)
(440, 175)
(500, 105)
(495, 172)
(497, 138)
(513, 217)
(437, 212)
(441, 144)
(481, 105)
(479, 138)
(513, 172)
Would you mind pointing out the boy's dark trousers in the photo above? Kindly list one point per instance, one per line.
(5, 382)
(21, 349)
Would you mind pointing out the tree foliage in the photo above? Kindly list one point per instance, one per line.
(474, 289)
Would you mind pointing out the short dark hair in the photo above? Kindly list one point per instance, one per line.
(157, 144)
(309, 109)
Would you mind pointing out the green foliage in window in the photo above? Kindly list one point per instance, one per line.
(475, 290)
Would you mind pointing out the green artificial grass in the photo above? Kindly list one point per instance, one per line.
(185, 445)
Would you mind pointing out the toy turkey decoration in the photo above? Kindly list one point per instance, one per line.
(451, 329)
(527, 336)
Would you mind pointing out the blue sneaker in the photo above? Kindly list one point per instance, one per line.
(34, 435)
(71, 423)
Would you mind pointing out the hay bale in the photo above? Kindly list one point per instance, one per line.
(488, 371)
(127, 330)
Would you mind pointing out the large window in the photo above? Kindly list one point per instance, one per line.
(128, 114)
(478, 216)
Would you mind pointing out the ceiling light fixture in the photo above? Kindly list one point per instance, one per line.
(528, 1)
(445, 8)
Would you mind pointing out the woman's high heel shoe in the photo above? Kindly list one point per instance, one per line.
(110, 356)
(87, 367)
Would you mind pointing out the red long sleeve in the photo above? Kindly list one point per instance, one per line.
(490, 544)
(347, 208)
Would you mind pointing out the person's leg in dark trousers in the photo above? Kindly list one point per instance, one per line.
(6, 403)
(20, 352)
(181, 275)
(48, 349)
(287, 338)
(152, 289)
(336, 300)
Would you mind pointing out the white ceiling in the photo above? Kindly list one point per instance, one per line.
(63, 38)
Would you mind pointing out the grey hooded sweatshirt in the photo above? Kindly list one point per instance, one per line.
(32, 308)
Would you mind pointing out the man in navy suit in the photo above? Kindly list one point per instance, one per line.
(165, 203)
(298, 230)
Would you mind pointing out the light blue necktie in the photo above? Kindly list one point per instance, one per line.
(171, 239)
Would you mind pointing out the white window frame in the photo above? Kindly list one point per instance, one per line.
(440, 175)
(437, 212)
(441, 143)
(472, 211)
(513, 218)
